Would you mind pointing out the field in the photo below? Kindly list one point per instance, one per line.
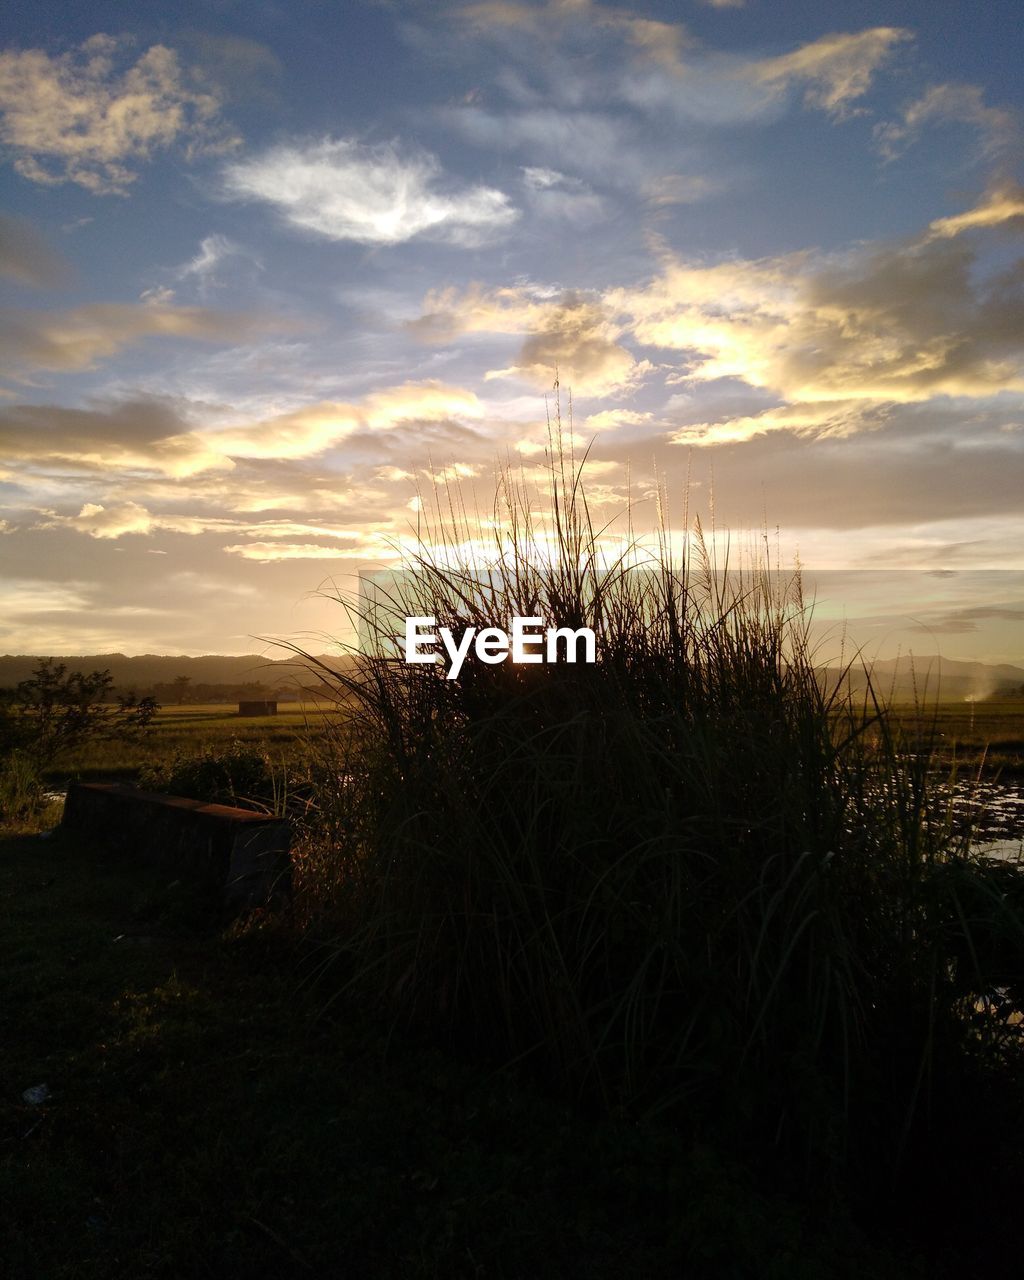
(190, 730)
(989, 732)
(992, 730)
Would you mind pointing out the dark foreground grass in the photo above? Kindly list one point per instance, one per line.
(207, 1117)
(689, 882)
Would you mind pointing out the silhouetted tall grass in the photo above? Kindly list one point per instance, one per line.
(689, 878)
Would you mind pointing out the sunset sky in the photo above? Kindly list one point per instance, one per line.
(270, 266)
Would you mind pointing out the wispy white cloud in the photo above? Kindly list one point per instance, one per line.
(950, 104)
(660, 69)
(213, 249)
(373, 194)
(555, 195)
(78, 118)
(555, 137)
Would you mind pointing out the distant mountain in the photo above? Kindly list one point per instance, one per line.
(932, 676)
(146, 670)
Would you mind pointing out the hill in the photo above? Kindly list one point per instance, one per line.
(144, 671)
(932, 676)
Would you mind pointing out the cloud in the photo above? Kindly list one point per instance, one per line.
(609, 419)
(834, 71)
(75, 118)
(554, 195)
(26, 258)
(568, 333)
(1004, 205)
(659, 40)
(154, 438)
(268, 552)
(514, 309)
(577, 341)
(145, 436)
(381, 194)
(77, 339)
(965, 621)
(885, 323)
(208, 268)
(313, 429)
(500, 13)
(821, 419)
(679, 188)
(213, 249)
(110, 522)
(905, 465)
(949, 104)
(658, 67)
(555, 136)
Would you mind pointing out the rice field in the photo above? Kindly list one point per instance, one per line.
(989, 732)
(185, 730)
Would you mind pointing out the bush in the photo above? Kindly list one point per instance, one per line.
(237, 775)
(21, 788)
(689, 878)
(51, 714)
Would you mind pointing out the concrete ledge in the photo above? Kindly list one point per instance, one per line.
(242, 857)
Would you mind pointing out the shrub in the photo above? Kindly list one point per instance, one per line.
(688, 878)
(236, 775)
(51, 714)
(21, 788)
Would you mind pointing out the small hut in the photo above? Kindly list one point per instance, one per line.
(265, 707)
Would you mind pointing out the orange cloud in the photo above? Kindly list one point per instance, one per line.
(890, 323)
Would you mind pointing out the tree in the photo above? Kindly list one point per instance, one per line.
(181, 690)
(55, 711)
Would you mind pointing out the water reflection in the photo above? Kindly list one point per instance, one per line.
(995, 811)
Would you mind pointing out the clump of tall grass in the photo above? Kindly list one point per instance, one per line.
(21, 788)
(691, 877)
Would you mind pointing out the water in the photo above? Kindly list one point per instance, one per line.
(996, 810)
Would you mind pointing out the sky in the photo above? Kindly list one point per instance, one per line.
(275, 271)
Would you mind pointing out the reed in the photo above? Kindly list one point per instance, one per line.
(691, 879)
